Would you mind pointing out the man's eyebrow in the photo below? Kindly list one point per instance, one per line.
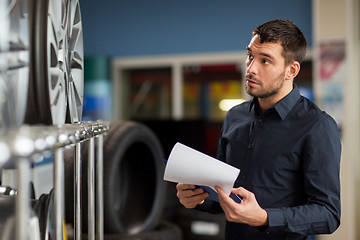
(266, 55)
(261, 53)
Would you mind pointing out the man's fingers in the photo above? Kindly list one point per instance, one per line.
(189, 195)
(219, 191)
(183, 186)
(190, 192)
(194, 198)
(222, 195)
(190, 199)
(242, 192)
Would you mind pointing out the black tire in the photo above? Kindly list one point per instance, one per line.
(39, 110)
(7, 207)
(133, 184)
(200, 225)
(33, 109)
(41, 208)
(44, 210)
(7, 217)
(164, 231)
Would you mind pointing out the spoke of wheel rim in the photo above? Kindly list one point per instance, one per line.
(57, 95)
(75, 36)
(76, 75)
(78, 85)
(56, 15)
(55, 82)
(75, 26)
(76, 61)
(57, 104)
(75, 102)
(55, 113)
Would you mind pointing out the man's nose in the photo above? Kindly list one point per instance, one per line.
(252, 68)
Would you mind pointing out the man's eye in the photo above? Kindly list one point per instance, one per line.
(250, 57)
(265, 61)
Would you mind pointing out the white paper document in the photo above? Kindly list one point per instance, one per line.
(190, 166)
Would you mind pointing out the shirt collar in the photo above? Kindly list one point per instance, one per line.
(284, 106)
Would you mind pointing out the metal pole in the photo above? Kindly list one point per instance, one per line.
(99, 187)
(22, 199)
(77, 192)
(91, 191)
(59, 192)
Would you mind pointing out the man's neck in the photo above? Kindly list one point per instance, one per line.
(267, 102)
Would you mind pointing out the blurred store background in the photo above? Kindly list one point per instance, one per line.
(177, 66)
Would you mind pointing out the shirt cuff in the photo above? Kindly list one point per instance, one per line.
(276, 217)
(210, 206)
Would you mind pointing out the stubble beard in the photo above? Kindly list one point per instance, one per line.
(267, 92)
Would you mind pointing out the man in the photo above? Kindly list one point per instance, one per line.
(287, 149)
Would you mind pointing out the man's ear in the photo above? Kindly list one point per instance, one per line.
(292, 70)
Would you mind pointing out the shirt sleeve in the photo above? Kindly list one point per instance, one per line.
(321, 167)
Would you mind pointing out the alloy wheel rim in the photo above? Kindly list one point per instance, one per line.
(76, 63)
(65, 60)
(57, 72)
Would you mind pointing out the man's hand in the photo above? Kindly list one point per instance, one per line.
(247, 211)
(189, 195)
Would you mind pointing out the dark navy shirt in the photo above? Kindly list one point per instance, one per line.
(289, 157)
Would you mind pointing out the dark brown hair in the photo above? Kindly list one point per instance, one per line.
(286, 32)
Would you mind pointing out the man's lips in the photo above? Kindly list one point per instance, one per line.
(251, 83)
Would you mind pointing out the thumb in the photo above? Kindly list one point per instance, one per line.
(241, 192)
(221, 193)
(219, 190)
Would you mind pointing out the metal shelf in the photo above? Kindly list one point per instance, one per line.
(26, 144)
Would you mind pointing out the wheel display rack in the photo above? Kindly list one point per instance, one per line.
(22, 146)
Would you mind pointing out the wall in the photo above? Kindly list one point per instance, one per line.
(139, 28)
(343, 27)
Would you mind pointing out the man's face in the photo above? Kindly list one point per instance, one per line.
(265, 69)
